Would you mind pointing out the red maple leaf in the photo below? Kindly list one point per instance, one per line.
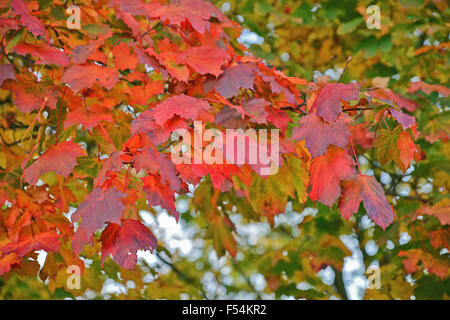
(256, 108)
(185, 106)
(327, 171)
(122, 242)
(229, 118)
(196, 12)
(159, 194)
(429, 88)
(441, 211)
(328, 101)
(278, 88)
(112, 164)
(157, 132)
(407, 150)
(440, 238)
(392, 98)
(279, 118)
(131, 6)
(366, 189)
(88, 118)
(154, 161)
(168, 57)
(220, 175)
(48, 241)
(84, 76)
(85, 51)
(124, 58)
(129, 20)
(60, 158)
(98, 207)
(32, 23)
(29, 94)
(361, 135)
(141, 94)
(439, 267)
(82, 52)
(204, 59)
(45, 53)
(318, 134)
(239, 76)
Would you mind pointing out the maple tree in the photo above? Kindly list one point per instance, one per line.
(86, 135)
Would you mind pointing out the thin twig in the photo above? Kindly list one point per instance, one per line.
(294, 109)
(370, 89)
(354, 152)
(376, 130)
(345, 68)
(358, 109)
(166, 146)
(339, 283)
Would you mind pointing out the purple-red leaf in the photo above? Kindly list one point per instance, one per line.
(328, 101)
(368, 190)
(6, 72)
(404, 119)
(98, 207)
(32, 23)
(233, 79)
(318, 134)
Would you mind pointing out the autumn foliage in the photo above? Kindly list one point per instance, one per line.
(87, 118)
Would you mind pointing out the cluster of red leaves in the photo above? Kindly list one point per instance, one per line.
(194, 72)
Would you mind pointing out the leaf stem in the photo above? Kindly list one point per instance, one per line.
(385, 122)
(9, 40)
(354, 152)
(44, 103)
(58, 120)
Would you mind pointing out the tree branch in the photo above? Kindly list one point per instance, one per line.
(183, 276)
